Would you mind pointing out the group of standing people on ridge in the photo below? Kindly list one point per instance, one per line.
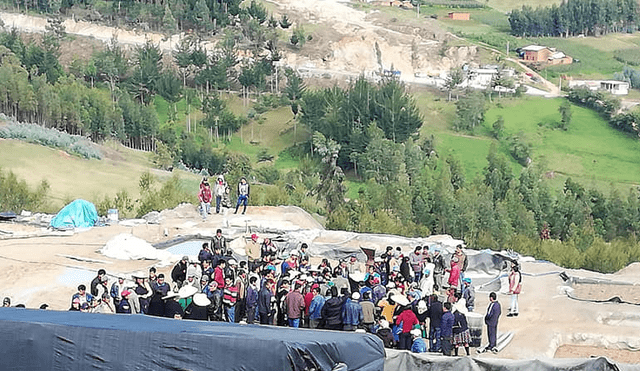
(221, 193)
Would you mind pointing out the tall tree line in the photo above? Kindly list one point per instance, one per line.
(575, 17)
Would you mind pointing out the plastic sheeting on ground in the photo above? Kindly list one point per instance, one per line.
(50, 340)
(597, 281)
(77, 214)
(128, 247)
(407, 361)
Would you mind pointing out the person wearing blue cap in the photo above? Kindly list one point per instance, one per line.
(468, 293)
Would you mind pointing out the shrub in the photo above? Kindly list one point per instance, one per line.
(267, 174)
(16, 196)
(604, 257)
(264, 155)
(32, 133)
(122, 201)
(520, 149)
(168, 196)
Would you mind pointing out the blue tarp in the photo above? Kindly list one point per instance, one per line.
(68, 341)
(77, 214)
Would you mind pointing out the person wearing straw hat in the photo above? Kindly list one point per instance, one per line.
(197, 310)
(186, 295)
(172, 309)
(407, 319)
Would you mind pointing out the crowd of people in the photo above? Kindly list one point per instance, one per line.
(400, 297)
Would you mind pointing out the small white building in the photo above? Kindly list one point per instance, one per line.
(611, 86)
(480, 78)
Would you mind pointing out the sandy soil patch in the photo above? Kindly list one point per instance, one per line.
(630, 294)
(581, 351)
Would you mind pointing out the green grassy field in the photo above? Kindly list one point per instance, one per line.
(590, 152)
(71, 177)
(507, 5)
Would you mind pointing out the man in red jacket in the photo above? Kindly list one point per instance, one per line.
(204, 196)
(408, 320)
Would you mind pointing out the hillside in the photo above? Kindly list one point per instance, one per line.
(72, 177)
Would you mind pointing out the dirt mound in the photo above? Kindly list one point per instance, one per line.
(631, 271)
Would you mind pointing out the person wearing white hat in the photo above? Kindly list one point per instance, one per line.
(197, 310)
(419, 345)
(185, 294)
(352, 315)
(384, 333)
(172, 308)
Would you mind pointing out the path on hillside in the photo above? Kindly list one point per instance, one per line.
(554, 91)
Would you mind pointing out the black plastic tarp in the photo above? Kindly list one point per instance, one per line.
(50, 340)
(407, 361)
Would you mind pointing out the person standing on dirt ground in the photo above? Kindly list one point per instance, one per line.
(438, 270)
(468, 293)
(491, 320)
(204, 196)
(515, 285)
(446, 329)
(219, 190)
(243, 195)
(463, 260)
(219, 242)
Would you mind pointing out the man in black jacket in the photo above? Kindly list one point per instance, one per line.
(435, 319)
(264, 303)
(332, 311)
(219, 243)
(97, 281)
(179, 271)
